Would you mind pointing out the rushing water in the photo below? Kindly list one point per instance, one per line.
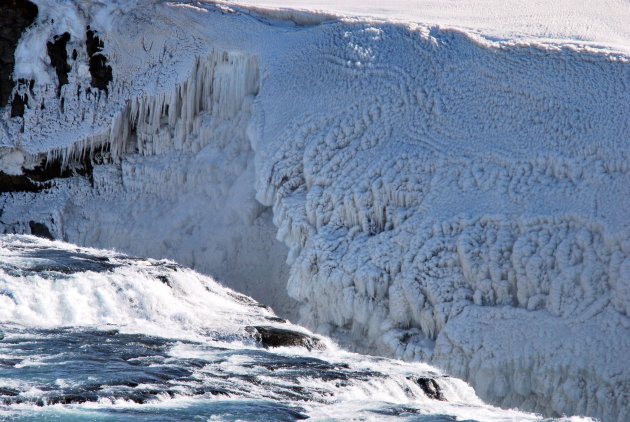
(88, 335)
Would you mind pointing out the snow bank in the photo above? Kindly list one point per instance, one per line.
(601, 24)
(443, 197)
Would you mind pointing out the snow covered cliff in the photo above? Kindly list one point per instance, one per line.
(443, 196)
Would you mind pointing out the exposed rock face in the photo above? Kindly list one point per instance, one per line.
(99, 69)
(270, 336)
(59, 58)
(15, 17)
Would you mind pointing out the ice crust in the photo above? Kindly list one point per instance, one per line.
(462, 178)
(444, 197)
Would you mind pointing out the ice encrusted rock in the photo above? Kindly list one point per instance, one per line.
(443, 197)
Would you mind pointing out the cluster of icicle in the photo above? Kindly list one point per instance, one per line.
(165, 121)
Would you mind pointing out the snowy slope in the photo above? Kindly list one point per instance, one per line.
(599, 24)
(445, 196)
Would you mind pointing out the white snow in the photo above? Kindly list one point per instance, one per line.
(446, 192)
(601, 23)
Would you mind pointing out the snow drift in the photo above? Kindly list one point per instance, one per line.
(444, 197)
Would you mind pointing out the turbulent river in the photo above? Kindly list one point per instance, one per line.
(94, 335)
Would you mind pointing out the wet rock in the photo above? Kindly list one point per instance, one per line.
(164, 279)
(7, 391)
(276, 319)
(270, 336)
(430, 387)
(65, 262)
(71, 398)
(15, 17)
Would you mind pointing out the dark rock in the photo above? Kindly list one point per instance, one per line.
(15, 17)
(270, 336)
(59, 58)
(430, 387)
(276, 319)
(164, 279)
(18, 105)
(71, 398)
(6, 391)
(99, 69)
(65, 262)
(40, 230)
(21, 183)
(93, 43)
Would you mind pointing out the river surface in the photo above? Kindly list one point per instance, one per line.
(91, 335)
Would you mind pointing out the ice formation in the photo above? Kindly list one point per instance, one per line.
(444, 197)
(175, 148)
(461, 201)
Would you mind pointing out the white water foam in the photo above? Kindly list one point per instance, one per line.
(47, 285)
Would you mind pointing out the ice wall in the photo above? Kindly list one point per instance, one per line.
(461, 202)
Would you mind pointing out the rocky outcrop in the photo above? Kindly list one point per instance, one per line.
(270, 336)
(15, 17)
(99, 69)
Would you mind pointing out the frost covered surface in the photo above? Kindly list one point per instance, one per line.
(445, 197)
(461, 178)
